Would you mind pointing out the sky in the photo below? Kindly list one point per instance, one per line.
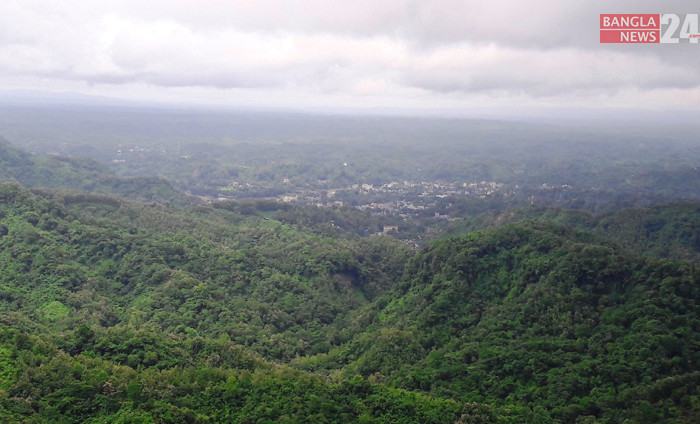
(434, 57)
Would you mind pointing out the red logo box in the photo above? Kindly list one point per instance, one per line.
(630, 28)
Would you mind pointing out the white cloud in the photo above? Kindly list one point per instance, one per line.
(396, 52)
(544, 72)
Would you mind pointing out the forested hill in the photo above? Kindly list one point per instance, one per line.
(665, 231)
(61, 172)
(100, 260)
(539, 316)
(115, 310)
(124, 312)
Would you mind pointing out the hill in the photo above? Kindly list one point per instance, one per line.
(88, 259)
(538, 316)
(107, 308)
(61, 172)
(205, 381)
(663, 231)
(115, 310)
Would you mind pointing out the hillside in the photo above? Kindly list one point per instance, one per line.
(89, 259)
(663, 231)
(206, 381)
(115, 310)
(541, 317)
(74, 173)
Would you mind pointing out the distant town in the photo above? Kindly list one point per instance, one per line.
(402, 198)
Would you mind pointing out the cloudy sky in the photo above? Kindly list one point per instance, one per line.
(440, 56)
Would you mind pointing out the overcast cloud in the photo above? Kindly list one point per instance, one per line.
(427, 55)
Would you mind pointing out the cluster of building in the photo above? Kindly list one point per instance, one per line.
(403, 198)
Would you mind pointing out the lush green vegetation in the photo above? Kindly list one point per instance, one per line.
(539, 315)
(664, 231)
(119, 311)
(203, 381)
(152, 307)
(104, 261)
(142, 313)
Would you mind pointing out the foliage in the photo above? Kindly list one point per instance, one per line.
(537, 314)
(115, 310)
(98, 260)
(665, 231)
(48, 385)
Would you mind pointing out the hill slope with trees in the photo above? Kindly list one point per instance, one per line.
(116, 310)
(539, 316)
(75, 173)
